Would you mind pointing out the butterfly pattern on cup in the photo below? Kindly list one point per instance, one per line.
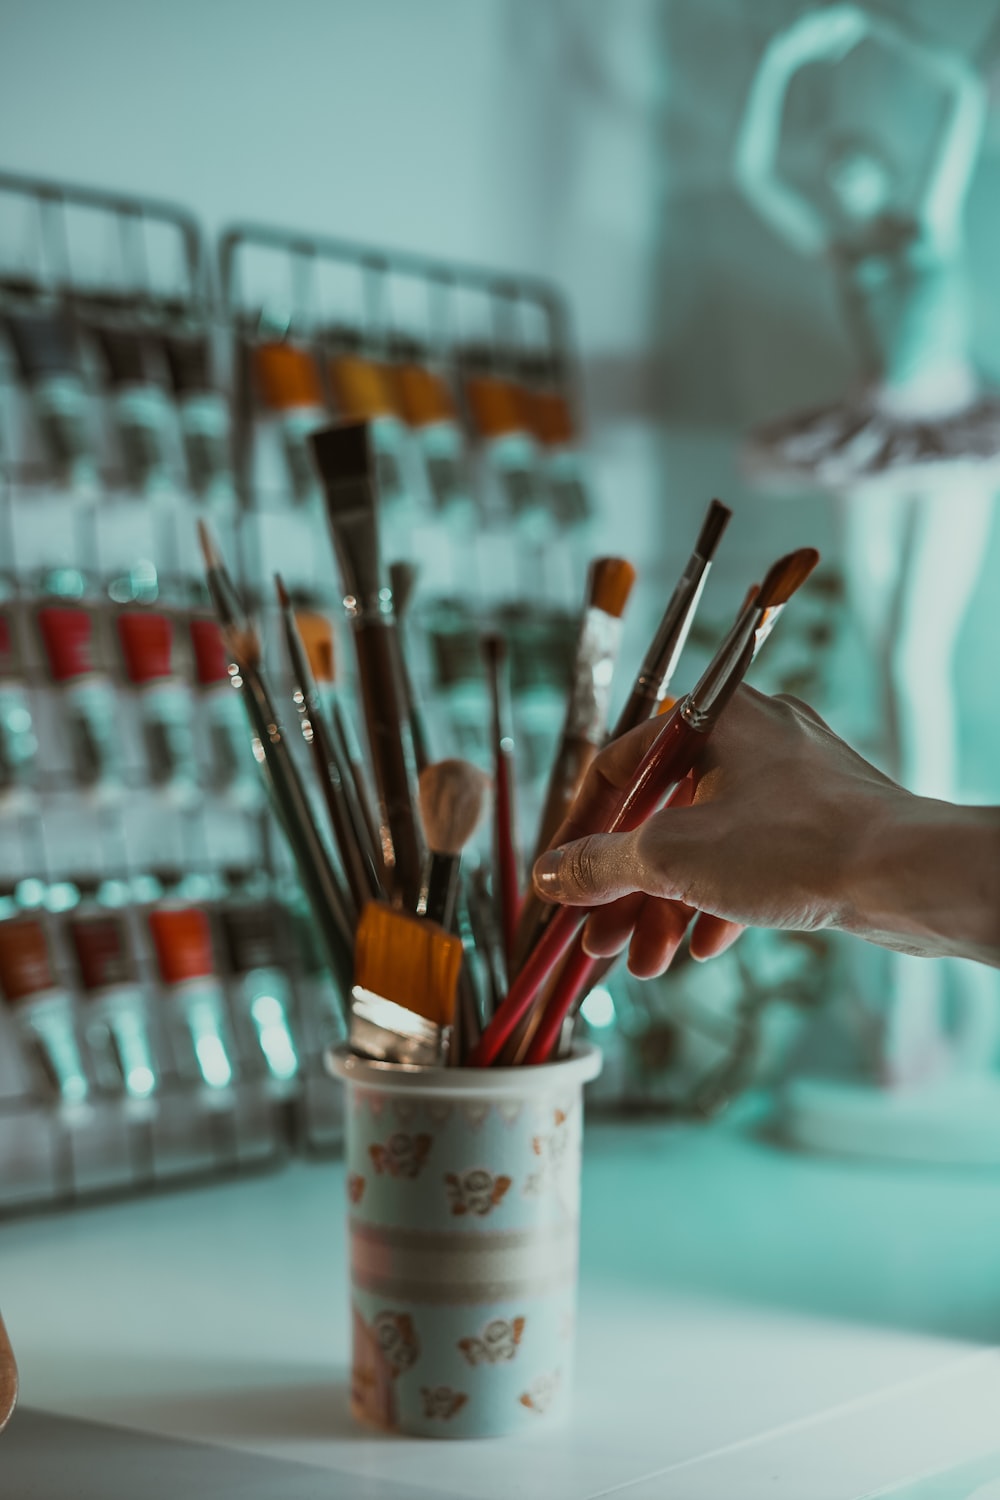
(551, 1151)
(397, 1340)
(541, 1393)
(402, 1155)
(498, 1342)
(373, 1394)
(442, 1402)
(476, 1191)
(355, 1187)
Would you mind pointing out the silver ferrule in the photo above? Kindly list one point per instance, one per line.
(593, 670)
(389, 1032)
(724, 673)
(675, 627)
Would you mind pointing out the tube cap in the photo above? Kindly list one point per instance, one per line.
(44, 342)
(189, 362)
(102, 951)
(182, 940)
(25, 969)
(68, 638)
(287, 378)
(126, 354)
(146, 641)
(211, 659)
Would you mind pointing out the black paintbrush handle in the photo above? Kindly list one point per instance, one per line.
(391, 745)
(442, 890)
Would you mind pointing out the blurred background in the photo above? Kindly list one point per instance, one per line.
(613, 168)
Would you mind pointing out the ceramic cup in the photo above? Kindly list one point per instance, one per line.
(463, 1189)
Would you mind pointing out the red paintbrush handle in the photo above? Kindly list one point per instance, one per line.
(573, 978)
(667, 761)
(506, 856)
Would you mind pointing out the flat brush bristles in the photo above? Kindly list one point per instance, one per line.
(408, 960)
(610, 584)
(714, 525)
(451, 803)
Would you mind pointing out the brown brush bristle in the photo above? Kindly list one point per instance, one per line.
(609, 585)
(451, 804)
(402, 581)
(787, 575)
(344, 455)
(714, 524)
(282, 592)
(408, 960)
(243, 645)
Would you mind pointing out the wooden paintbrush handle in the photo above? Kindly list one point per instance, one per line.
(391, 745)
(8, 1378)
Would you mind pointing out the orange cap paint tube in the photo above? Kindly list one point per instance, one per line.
(291, 389)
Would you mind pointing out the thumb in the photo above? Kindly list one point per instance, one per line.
(589, 872)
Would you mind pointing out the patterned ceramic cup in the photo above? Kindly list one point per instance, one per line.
(463, 1189)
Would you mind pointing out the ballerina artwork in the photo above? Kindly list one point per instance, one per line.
(911, 454)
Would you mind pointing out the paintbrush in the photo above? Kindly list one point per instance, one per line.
(288, 796)
(665, 764)
(609, 584)
(646, 698)
(451, 805)
(346, 462)
(316, 634)
(328, 758)
(406, 979)
(403, 581)
(660, 662)
(505, 873)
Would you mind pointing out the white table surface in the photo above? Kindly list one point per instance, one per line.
(752, 1323)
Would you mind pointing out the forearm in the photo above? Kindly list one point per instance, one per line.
(928, 881)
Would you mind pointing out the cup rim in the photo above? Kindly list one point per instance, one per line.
(583, 1064)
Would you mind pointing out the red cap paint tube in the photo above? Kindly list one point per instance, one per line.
(550, 419)
(196, 1008)
(18, 742)
(164, 706)
(89, 705)
(232, 767)
(508, 451)
(139, 403)
(259, 984)
(428, 408)
(42, 1009)
(204, 415)
(291, 391)
(116, 1019)
(44, 342)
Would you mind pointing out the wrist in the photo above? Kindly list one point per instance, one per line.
(926, 878)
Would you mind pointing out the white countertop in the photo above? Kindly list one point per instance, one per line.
(751, 1323)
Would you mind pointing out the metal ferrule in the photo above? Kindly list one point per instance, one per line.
(382, 1029)
(671, 638)
(725, 672)
(593, 669)
(352, 512)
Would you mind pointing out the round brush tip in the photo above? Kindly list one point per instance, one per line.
(787, 575)
(716, 520)
(610, 584)
(451, 794)
(209, 551)
(281, 591)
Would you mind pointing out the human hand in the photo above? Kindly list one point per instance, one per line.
(766, 831)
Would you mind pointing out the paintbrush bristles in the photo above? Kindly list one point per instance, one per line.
(343, 455)
(243, 645)
(209, 551)
(402, 581)
(452, 793)
(609, 585)
(714, 525)
(787, 575)
(408, 960)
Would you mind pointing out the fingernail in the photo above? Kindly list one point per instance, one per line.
(548, 873)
